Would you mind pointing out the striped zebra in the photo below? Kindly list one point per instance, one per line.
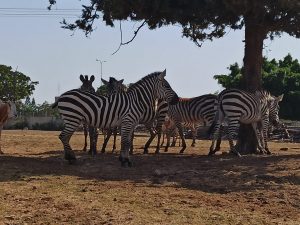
(124, 110)
(156, 113)
(87, 85)
(237, 106)
(114, 86)
(187, 111)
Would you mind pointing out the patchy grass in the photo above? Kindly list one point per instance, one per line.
(38, 187)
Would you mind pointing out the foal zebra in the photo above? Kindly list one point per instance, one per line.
(201, 109)
(124, 109)
(237, 106)
(87, 85)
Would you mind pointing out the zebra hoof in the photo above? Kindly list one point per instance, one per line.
(125, 162)
(102, 150)
(145, 151)
(211, 153)
(70, 156)
(157, 152)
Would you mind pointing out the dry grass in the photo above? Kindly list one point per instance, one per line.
(39, 187)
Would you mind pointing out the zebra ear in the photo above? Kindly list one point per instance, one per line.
(162, 75)
(104, 81)
(81, 78)
(279, 98)
(121, 81)
(92, 78)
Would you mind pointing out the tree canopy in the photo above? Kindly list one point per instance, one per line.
(279, 77)
(15, 85)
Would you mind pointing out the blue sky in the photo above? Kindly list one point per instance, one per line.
(38, 47)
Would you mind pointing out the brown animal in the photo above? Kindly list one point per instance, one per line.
(7, 111)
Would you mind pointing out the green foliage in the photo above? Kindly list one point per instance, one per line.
(200, 20)
(102, 90)
(15, 85)
(29, 108)
(279, 77)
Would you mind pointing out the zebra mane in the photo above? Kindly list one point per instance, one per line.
(141, 81)
(264, 94)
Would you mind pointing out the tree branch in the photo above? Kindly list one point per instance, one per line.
(135, 34)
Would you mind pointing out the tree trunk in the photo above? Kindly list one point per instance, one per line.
(251, 77)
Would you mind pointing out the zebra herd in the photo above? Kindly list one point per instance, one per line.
(149, 101)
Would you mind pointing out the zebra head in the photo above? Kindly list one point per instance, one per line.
(164, 90)
(273, 103)
(87, 84)
(114, 86)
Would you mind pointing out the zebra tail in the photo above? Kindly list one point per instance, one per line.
(211, 129)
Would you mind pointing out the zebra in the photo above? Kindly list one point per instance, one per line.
(87, 85)
(157, 112)
(190, 111)
(170, 129)
(124, 109)
(114, 86)
(237, 106)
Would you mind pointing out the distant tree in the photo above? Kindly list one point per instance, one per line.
(279, 77)
(15, 85)
(205, 20)
(102, 90)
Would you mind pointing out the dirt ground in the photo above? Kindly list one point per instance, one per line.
(38, 187)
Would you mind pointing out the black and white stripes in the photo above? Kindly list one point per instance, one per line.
(237, 106)
(125, 110)
(201, 109)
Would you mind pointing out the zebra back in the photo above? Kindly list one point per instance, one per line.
(194, 110)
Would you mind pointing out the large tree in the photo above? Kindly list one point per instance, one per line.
(204, 20)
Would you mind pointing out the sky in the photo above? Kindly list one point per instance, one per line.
(37, 46)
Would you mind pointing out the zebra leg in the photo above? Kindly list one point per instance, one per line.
(152, 136)
(265, 123)
(93, 140)
(131, 145)
(115, 139)
(180, 130)
(163, 140)
(216, 136)
(173, 141)
(168, 136)
(106, 139)
(256, 129)
(219, 140)
(126, 143)
(194, 131)
(232, 127)
(85, 132)
(158, 141)
(65, 137)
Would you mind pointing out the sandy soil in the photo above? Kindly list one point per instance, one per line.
(38, 187)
